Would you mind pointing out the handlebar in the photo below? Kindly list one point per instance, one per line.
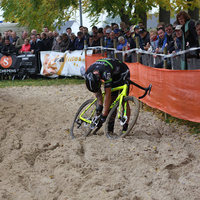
(147, 89)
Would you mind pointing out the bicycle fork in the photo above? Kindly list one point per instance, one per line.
(122, 116)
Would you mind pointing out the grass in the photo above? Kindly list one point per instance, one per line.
(41, 82)
(194, 127)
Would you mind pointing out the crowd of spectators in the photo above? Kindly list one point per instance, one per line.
(181, 35)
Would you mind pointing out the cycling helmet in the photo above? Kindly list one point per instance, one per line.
(93, 82)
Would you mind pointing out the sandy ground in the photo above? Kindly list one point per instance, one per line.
(39, 161)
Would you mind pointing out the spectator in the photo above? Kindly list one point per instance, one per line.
(65, 42)
(162, 40)
(20, 41)
(14, 39)
(10, 35)
(115, 26)
(51, 38)
(94, 30)
(177, 39)
(128, 35)
(169, 31)
(90, 41)
(36, 44)
(79, 42)
(136, 31)
(46, 42)
(68, 30)
(72, 46)
(55, 34)
(188, 27)
(145, 37)
(122, 43)
(160, 25)
(108, 31)
(57, 45)
(86, 34)
(7, 48)
(122, 27)
(80, 28)
(34, 32)
(153, 40)
(101, 37)
(104, 31)
(5, 36)
(141, 25)
(38, 36)
(132, 41)
(95, 43)
(26, 47)
(96, 40)
(46, 30)
(110, 41)
(112, 26)
(117, 33)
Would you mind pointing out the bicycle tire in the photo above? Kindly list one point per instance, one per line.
(84, 129)
(112, 117)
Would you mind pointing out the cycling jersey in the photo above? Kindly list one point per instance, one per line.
(110, 71)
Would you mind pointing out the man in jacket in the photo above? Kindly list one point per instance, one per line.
(65, 42)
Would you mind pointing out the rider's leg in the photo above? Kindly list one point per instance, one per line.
(111, 123)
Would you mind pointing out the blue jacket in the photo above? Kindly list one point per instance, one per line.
(120, 46)
(79, 44)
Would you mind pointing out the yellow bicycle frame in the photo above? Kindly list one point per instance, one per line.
(119, 98)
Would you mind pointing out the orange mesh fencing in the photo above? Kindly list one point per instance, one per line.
(89, 59)
(176, 92)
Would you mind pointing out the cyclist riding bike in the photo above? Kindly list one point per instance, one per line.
(111, 72)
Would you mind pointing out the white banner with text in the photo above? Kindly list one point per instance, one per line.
(65, 64)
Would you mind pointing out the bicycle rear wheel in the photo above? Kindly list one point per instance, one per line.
(114, 126)
(80, 128)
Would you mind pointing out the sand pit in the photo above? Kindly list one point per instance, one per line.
(39, 161)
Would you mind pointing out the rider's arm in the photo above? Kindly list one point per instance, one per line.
(99, 97)
(107, 101)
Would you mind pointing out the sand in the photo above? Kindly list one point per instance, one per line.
(40, 161)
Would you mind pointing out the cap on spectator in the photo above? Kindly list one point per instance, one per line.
(142, 30)
(178, 27)
(116, 30)
(108, 30)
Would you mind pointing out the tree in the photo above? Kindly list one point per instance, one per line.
(38, 13)
(130, 11)
(193, 10)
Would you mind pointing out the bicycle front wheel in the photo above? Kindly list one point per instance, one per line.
(115, 127)
(80, 128)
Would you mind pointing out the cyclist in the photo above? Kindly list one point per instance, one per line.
(110, 71)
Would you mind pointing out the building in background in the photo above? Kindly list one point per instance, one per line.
(12, 26)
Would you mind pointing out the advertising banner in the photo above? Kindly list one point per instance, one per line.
(8, 64)
(27, 64)
(64, 64)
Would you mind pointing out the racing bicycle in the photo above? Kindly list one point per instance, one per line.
(125, 109)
